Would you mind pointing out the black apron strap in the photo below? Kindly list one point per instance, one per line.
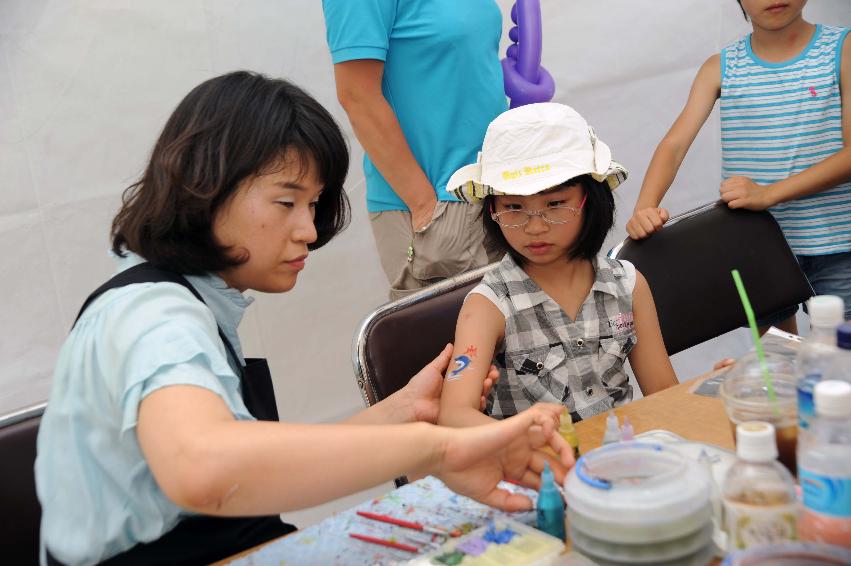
(203, 539)
(258, 393)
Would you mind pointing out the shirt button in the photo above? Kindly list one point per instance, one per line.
(539, 365)
(580, 342)
(589, 391)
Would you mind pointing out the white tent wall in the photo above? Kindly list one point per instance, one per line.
(85, 86)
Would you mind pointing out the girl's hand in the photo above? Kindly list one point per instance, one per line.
(645, 222)
(741, 192)
(725, 363)
(476, 459)
(423, 390)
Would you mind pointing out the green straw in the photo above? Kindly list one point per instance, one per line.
(766, 376)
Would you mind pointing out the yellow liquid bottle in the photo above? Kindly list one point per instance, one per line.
(568, 432)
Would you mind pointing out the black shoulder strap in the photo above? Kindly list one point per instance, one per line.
(147, 273)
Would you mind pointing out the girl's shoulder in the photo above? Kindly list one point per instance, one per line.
(615, 271)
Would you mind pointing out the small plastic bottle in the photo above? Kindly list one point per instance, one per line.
(824, 467)
(568, 432)
(759, 493)
(550, 506)
(627, 432)
(818, 350)
(613, 432)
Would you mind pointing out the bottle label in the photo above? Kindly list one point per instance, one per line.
(829, 495)
(749, 525)
(806, 410)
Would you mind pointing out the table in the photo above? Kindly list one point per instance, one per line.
(677, 409)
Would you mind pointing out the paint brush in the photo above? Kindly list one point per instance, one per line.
(402, 523)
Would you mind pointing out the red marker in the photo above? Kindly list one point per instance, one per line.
(388, 543)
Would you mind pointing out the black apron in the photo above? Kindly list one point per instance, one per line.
(203, 539)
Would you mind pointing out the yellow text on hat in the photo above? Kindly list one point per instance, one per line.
(525, 171)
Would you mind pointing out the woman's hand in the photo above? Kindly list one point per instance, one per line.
(477, 458)
(725, 363)
(423, 390)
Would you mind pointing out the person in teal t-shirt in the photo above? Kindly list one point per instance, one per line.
(420, 81)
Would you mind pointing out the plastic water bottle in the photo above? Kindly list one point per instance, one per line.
(824, 466)
(840, 365)
(758, 495)
(816, 353)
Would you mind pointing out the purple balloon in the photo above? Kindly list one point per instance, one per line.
(526, 82)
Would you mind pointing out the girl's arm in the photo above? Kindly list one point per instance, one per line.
(705, 90)
(206, 461)
(419, 400)
(649, 359)
(480, 327)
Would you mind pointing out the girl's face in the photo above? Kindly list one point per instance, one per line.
(773, 15)
(269, 220)
(539, 241)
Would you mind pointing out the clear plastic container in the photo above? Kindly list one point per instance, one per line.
(650, 503)
(746, 398)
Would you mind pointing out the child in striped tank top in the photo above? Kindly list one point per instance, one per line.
(785, 140)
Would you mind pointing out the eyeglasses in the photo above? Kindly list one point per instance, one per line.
(560, 214)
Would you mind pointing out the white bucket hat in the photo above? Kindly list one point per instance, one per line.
(533, 148)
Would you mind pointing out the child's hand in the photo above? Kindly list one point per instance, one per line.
(741, 192)
(646, 221)
(725, 363)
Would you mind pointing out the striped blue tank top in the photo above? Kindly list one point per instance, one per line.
(778, 119)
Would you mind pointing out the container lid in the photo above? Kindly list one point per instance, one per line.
(833, 398)
(843, 336)
(636, 483)
(790, 554)
(826, 310)
(755, 442)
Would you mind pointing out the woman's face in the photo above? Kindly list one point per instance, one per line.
(269, 220)
(538, 241)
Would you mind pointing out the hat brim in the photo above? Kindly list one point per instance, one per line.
(466, 182)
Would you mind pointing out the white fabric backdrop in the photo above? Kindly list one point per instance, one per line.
(85, 86)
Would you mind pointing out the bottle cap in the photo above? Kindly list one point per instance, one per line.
(833, 398)
(826, 310)
(565, 422)
(547, 480)
(755, 442)
(843, 336)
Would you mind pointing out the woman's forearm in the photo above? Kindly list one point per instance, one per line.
(250, 468)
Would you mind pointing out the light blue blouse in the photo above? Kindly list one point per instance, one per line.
(97, 493)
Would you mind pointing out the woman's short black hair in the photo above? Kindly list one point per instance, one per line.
(598, 216)
(225, 130)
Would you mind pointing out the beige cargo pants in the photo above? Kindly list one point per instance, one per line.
(453, 243)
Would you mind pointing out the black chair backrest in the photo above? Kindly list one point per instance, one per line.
(688, 263)
(18, 501)
(401, 337)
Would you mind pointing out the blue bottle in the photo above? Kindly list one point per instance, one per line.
(550, 506)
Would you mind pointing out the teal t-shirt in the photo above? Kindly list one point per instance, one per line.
(442, 77)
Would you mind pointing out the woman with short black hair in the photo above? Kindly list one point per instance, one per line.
(150, 450)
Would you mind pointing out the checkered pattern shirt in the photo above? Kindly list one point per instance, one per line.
(548, 357)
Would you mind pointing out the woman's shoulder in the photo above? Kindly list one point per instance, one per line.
(131, 310)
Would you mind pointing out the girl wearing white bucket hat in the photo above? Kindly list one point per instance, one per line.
(556, 315)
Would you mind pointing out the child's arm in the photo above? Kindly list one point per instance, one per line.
(649, 359)
(741, 192)
(480, 327)
(647, 218)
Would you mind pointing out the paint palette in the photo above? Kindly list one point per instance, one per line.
(500, 542)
